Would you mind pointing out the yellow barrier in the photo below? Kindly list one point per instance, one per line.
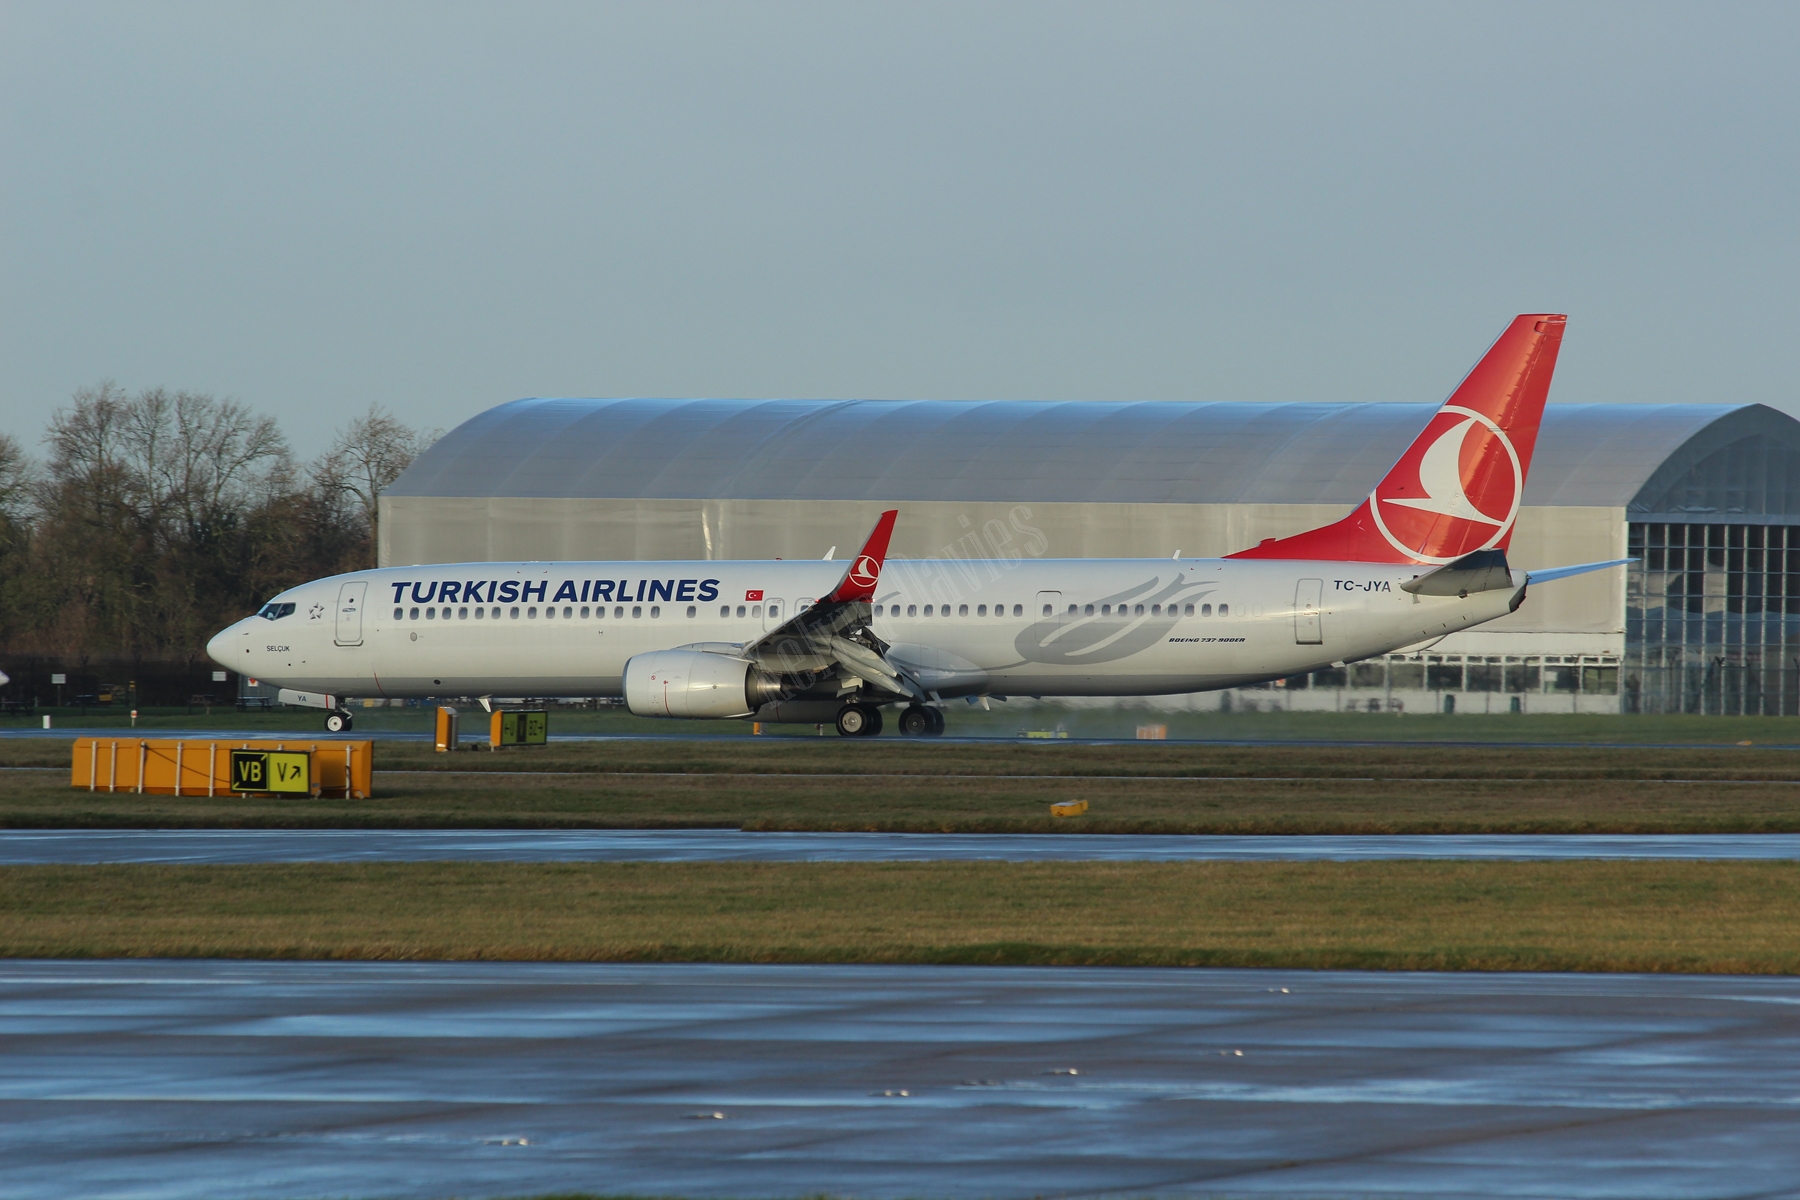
(1068, 808)
(165, 767)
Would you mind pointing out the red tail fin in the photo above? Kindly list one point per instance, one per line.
(1457, 488)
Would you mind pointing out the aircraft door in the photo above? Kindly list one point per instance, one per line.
(1309, 601)
(1048, 606)
(350, 612)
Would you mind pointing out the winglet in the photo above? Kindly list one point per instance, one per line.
(860, 580)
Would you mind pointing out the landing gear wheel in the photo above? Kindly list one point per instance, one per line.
(937, 722)
(338, 722)
(859, 720)
(915, 722)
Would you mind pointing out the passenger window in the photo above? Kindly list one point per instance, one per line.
(567, 612)
(1155, 610)
(480, 613)
(1205, 610)
(1224, 610)
(756, 610)
(1106, 610)
(655, 611)
(550, 614)
(928, 610)
(962, 610)
(1019, 609)
(431, 614)
(530, 613)
(1138, 611)
(1046, 610)
(398, 613)
(774, 612)
(740, 610)
(981, 610)
(462, 614)
(877, 609)
(912, 610)
(693, 611)
(584, 612)
(515, 612)
(619, 612)
(637, 611)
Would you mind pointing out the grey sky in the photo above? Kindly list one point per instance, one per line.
(441, 207)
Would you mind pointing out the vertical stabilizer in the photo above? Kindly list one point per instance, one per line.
(1457, 488)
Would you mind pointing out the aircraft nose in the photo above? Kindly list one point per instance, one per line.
(219, 649)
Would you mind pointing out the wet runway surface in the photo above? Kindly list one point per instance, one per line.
(162, 1079)
(196, 846)
(952, 738)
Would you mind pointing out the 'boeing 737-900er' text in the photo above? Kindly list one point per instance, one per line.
(1422, 557)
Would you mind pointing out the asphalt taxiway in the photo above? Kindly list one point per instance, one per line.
(200, 846)
(186, 1080)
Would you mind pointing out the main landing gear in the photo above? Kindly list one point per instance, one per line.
(920, 721)
(338, 722)
(859, 720)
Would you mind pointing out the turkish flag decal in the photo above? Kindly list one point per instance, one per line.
(753, 595)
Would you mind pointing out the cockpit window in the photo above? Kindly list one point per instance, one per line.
(275, 612)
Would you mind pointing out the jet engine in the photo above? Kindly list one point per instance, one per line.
(696, 683)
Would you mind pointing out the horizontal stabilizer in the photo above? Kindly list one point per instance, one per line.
(1578, 569)
(1482, 571)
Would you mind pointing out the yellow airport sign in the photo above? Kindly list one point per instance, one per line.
(281, 772)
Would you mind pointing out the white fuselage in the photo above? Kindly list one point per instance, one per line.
(1037, 627)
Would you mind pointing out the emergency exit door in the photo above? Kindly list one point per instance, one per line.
(350, 612)
(1309, 600)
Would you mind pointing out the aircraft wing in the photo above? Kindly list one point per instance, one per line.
(1550, 573)
(834, 634)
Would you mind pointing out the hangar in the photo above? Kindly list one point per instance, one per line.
(1705, 497)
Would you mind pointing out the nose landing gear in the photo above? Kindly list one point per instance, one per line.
(338, 722)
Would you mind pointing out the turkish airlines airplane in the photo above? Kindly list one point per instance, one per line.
(811, 641)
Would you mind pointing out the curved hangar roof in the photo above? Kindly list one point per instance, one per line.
(1676, 459)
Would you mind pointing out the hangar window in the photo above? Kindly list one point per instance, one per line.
(912, 610)
(693, 611)
(980, 610)
(462, 614)
(398, 613)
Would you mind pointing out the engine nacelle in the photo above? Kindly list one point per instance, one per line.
(694, 683)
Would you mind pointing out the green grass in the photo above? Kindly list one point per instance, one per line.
(1581, 916)
(838, 784)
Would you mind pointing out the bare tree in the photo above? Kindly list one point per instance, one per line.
(367, 456)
